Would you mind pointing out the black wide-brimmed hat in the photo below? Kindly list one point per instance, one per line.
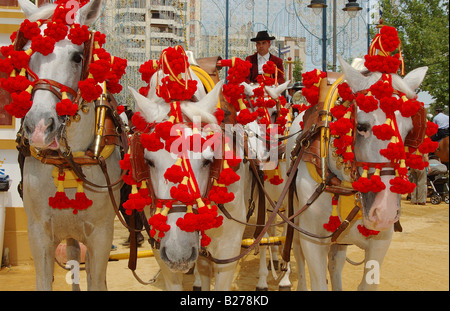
(262, 36)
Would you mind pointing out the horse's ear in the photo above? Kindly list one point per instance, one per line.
(355, 79)
(28, 7)
(247, 89)
(151, 111)
(209, 102)
(206, 107)
(89, 13)
(415, 78)
(276, 92)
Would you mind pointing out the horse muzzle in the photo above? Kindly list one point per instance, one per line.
(43, 135)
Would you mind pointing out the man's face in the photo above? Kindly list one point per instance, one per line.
(262, 47)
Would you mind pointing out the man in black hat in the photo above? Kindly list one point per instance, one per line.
(262, 56)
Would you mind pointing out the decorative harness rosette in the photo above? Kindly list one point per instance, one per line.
(156, 136)
(401, 154)
(101, 73)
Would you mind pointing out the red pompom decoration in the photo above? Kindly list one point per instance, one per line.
(78, 34)
(20, 105)
(181, 193)
(367, 232)
(151, 142)
(100, 69)
(383, 131)
(59, 201)
(432, 129)
(66, 107)
(245, 116)
(135, 202)
(394, 151)
(228, 176)
(57, 31)
(366, 103)
(345, 92)
(90, 90)
(158, 222)
(220, 195)
(175, 174)
(333, 223)
(401, 185)
(29, 29)
(139, 122)
(81, 202)
(428, 146)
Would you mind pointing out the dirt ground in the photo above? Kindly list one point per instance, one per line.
(417, 260)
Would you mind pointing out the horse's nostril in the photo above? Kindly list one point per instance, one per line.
(51, 126)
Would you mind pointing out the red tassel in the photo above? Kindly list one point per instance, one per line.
(135, 202)
(383, 132)
(220, 195)
(228, 176)
(175, 173)
(363, 183)
(151, 142)
(334, 221)
(158, 222)
(367, 232)
(81, 202)
(428, 146)
(401, 185)
(59, 201)
(245, 116)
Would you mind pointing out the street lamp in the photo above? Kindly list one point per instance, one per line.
(352, 8)
(317, 6)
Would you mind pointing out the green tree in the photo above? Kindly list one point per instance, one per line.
(423, 28)
(297, 70)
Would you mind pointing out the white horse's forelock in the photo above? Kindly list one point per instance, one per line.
(44, 12)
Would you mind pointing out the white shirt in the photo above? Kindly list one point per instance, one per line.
(441, 120)
(262, 60)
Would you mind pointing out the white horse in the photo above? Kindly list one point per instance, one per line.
(380, 210)
(179, 250)
(259, 147)
(47, 226)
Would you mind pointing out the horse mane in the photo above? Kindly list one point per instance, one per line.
(45, 12)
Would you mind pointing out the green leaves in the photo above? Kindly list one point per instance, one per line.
(424, 33)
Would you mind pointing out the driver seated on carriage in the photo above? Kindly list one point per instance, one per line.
(262, 56)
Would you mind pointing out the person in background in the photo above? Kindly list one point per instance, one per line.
(441, 120)
(419, 177)
(262, 56)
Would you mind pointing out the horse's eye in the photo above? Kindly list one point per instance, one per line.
(363, 127)
(77, 58)
(206, 162)
(150, 163)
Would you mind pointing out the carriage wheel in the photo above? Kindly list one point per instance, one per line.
(435, 199)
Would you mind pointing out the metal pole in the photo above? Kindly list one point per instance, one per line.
(226, 28)
(324, 38)
(334, 36)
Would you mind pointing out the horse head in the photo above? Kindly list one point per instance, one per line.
(179, 247)
(256, 131)
(380, 209)
(63, 67)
